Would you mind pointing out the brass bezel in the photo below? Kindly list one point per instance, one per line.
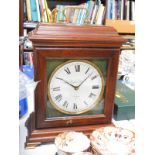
(96, 101)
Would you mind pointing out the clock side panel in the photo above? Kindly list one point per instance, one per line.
(48, 60)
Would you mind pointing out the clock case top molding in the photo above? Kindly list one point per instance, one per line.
(71, 42)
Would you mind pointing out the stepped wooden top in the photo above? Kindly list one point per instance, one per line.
(69, 35)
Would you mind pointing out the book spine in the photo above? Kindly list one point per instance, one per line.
(128, 10)
(38, 10)
(24, 11)
(84, 13)
(100, 15)
(133, 10)
(28, 7)
(43, 11)
(94, 14)
(58, 14)
(79, 16)
(46, 10)
(119, 9)
(114, 10)
(75, 16)
(122, 9)
(110, 9)
(61, 13)
(34, 10)
(90, 9)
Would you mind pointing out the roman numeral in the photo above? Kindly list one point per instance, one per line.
(56, 89)
(65, 104)
(77, 68)
(85, 102)
(67, 70)
(58, 97)
(87, 71)
(75, 106)
(94, 77)
(95, 87)
(92, 95)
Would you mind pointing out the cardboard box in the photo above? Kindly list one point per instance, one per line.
(124, 106)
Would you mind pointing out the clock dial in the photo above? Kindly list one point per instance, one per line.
(75, 87)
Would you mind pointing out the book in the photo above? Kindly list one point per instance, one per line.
(28, 7)
(48, 11)
(127, 10)
(90, 7)
(38, 10)
(119, 3)
(114, 10)
(24, 11)
(83, 14)
(43, 11)
(60, 15)
(109, 9)
(76, 13)
(122, 9)
(80, 13)
(34, 13)
(133, 10)
(94, 14)
(100, 14)
(130, 10)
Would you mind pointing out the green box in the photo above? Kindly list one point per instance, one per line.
(124, 105)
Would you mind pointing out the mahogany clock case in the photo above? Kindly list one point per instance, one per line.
(55, 45)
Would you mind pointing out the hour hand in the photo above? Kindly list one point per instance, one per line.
(66, 82)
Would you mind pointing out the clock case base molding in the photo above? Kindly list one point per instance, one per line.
(37, 137)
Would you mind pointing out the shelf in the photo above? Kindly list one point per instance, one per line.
(30, 25)
(122, 26)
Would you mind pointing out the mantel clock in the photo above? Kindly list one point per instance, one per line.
(77, 70)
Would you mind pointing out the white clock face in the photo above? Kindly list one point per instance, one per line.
(75, 87)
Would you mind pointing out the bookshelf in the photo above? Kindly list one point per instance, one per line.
(122, 22)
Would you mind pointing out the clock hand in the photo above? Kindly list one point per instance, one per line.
(83, 81)
(67, 82)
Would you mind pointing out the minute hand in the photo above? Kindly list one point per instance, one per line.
(83, 81)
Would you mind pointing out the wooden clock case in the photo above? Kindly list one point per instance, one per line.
(71, 42)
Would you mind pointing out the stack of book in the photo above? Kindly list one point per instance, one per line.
(121, 9)
(37, 11)
(91, 12)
